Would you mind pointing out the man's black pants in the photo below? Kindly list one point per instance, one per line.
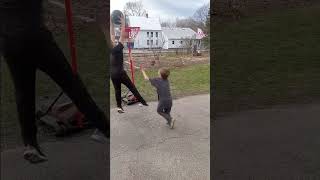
(123, 78)
(29, 51)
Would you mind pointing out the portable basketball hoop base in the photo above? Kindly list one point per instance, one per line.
(129, 98)
(52, 116)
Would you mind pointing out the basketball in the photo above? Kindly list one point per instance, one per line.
(116, 17)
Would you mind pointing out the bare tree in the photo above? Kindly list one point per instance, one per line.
(157, 49)
(167, 23)
(198, 20)
(134, 8)
(201, 14)
(189, 23)
(188, 44)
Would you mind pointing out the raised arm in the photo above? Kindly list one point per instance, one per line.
(144, 74)
(112, 33)
(123, 30)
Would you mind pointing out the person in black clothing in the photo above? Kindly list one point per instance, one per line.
(118, 74)
(27, 46)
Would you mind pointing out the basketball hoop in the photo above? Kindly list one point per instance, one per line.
(133, 32)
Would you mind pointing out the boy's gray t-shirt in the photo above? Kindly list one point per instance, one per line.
(163, 88)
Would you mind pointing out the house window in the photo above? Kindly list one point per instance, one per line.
(157, 42)
(151, 34)
(147, 34)
(156, 34)
(151, 42)
(172, 42)
(148, 42)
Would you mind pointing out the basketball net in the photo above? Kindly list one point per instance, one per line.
(132, 32)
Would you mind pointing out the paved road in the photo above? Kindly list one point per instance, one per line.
(74, 158)
(272, 144)
(144, 148)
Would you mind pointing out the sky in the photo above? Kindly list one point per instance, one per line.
(164, 9)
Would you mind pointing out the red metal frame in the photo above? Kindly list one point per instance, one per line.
(73, 52)
(72, 43)
(74, 65)
(133, 32)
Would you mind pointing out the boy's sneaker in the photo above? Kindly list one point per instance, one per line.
(120, 110)
(169, 122)
(172, 123)
(34, 155)
(99, 137)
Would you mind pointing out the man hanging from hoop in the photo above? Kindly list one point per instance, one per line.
(118, 74)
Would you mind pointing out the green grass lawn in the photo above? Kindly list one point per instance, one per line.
(267, 60)
(184, 81)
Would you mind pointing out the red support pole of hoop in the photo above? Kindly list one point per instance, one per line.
(72, 43)
(131, 65)
(132, 36)
(74, 65)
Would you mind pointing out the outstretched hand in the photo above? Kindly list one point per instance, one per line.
(123, 31)
(112, 33)
(144, 73)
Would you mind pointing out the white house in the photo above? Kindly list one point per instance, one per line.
(150, 34)
(180, 38)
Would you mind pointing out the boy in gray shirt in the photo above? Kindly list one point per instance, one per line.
(164, 96)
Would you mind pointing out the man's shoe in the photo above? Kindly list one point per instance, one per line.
(34, 155)
(172, 123)
(120, 110)
(144, 103)
(169, 123)
(98, 136)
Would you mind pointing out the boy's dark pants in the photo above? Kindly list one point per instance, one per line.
(25, 54)
(123, 78)
(164, 109)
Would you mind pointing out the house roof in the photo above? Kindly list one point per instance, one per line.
(145, 23)
(179, 33)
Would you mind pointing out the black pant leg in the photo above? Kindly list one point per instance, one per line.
(127, 82)
(117, 90)
(23, 74)
(52, 61)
